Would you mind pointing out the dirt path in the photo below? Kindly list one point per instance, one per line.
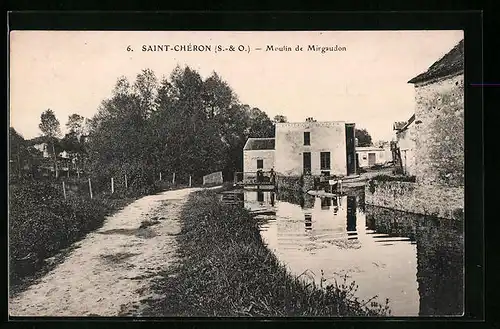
(110, 271)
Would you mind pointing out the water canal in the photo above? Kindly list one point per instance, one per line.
(414, 261)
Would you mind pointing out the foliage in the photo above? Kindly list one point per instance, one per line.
(182, 124)
(364, 138)
(399, 178)
(280, 118)
(49, 125)
(226, 270)
(310, 119)
(21, 153)
(42, 222)
(75, 124)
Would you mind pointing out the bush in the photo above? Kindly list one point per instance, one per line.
(399, 178)
(42, 222)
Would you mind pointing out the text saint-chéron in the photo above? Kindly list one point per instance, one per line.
(187, 47)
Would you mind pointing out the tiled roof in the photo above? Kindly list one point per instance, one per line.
(398, 125)
(452, 62)
(402, 125)
(259, 144)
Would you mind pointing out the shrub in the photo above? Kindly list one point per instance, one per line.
(42, 222)
(399, 178)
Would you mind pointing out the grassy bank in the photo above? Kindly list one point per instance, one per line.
(226, 270)
(42, 223)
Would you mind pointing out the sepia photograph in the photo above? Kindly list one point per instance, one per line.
(236, 173)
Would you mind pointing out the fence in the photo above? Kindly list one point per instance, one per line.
(120, 185)
(253, 177)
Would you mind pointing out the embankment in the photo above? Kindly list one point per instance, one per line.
(431, 200)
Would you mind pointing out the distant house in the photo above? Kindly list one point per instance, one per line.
(315, 148)
(44, 148)
(258, 154)
(370, 156)
(64, 161)
(439, 121)
(406, 141)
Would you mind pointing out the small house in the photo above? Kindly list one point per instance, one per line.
(370, 156)
(258, 154)
(406, 141)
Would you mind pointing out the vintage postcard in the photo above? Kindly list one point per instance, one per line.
(236, 174)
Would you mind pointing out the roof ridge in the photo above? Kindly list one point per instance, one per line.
(450, 63)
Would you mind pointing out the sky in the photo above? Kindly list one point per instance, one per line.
(73, 71)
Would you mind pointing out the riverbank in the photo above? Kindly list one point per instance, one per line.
(225, 269)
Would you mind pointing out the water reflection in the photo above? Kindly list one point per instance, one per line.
(308, 221)
(414, 261)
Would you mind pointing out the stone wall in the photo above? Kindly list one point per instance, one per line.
(289, 183)
(213, 178)
(439, 122)
(432, 200)
(325, 137)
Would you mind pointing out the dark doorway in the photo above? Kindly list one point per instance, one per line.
(260, 196)
(307, 163)
(351, 217)
(350, 148)
(371, 159)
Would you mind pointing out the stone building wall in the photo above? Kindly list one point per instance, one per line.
(250, 158)
(324, 137)
(439, 122)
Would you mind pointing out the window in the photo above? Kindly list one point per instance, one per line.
(260, 164)
(325, 160)
(307, 138)
(306, 163)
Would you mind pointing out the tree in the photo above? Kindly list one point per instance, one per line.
(363, 137)
(310, 119)
(75, 124)
(51, 129)
(279, 118)
(183, 124)
(259, 124)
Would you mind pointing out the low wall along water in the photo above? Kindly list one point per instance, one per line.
(213, 178)
(432, 200)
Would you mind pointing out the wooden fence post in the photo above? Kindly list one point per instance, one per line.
(64, 190)
(173, 178)
(189, 180)
(126, 186)
(90, 189)
(112, 186)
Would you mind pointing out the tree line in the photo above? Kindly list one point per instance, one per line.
(181, 123)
